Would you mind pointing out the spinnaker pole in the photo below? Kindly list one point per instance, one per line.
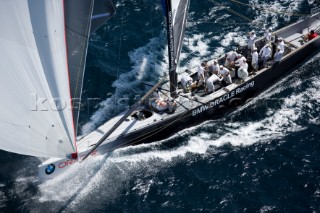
(123, 118)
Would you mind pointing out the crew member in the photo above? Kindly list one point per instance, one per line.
(186, 82)
(200, 74)
(268, 35)
(312, 35)
(240, 60)
(225, 73)
(215, 67)
(265, 54)
(278, 55)
(210, 83)
(230, 58)
(255, 59)
(281, 44)
(251, 40)
(243, 70)
(238, 63)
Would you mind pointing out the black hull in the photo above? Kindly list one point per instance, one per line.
(159, 130)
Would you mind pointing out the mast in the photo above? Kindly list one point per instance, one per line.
(176, 12)
(172, 63)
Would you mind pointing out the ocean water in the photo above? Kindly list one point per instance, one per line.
(264, 157)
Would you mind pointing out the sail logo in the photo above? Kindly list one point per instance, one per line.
(66, 163)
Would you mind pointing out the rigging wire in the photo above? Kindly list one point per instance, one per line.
(152, 34)
(119, 51)
(232, 11)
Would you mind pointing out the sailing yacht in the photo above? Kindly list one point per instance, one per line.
(43, 59)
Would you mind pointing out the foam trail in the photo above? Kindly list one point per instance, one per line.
(144, 69)
(276, 10)
(278, 123)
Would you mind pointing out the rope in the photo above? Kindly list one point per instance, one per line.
(270, 10)
(119, 50)
(232, 11)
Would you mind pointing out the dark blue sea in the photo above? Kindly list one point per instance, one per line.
(264, 157)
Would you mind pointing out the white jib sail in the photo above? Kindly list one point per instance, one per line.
(34, 76)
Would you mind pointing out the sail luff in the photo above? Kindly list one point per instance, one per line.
(74, 115)
(77, 26)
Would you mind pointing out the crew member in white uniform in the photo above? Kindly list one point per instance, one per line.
(238, 63)
(225, 73)
(186, 82)
(231, 57)
(278, 55)
(265, 54)
(210, 83)
(200, 73)
(243, 70)
(255, 59)
(268, 35)
(281, 44)
(215, 67)
(240, 60)
(252, 40)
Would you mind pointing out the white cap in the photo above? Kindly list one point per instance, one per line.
(221, 67)
(280, 38)
(254, 49)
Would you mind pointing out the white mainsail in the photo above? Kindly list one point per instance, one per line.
(42, 58)
(34, 76)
